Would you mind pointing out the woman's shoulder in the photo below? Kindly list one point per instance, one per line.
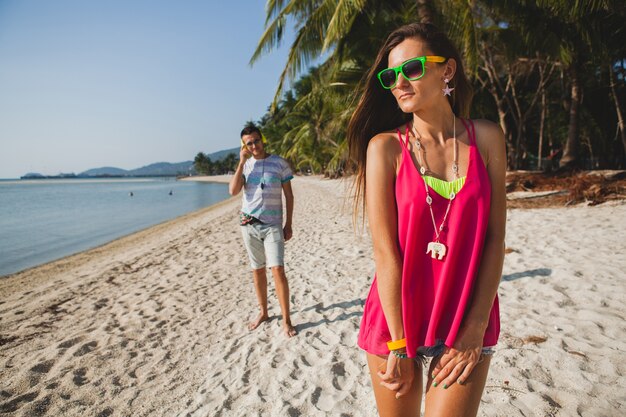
(388, 140)
(385, 149)
(489, 138)
(487, 130)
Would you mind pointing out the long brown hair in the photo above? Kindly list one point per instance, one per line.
(377, 110)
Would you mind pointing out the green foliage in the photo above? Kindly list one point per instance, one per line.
(516, 52)
(204, 166)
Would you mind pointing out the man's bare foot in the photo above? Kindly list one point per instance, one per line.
(289, 330)
(257, 322)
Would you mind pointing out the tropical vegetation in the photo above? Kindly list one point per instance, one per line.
(550, 72)
(203, 164)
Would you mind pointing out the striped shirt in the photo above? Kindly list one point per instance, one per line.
(263, 191)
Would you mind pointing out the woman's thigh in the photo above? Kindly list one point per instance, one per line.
(457, 400)
(388, 406)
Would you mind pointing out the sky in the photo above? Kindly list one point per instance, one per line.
(127, 83)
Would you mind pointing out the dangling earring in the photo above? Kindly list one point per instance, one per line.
(447, 90)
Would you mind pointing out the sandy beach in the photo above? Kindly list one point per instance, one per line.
(154, 324)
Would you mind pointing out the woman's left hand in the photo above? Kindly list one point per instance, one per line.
(398, 375)
(456, 363)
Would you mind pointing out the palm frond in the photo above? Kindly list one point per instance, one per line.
(272, 9)
(341, 21)
(271, 38)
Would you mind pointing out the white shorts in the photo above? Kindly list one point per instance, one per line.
(265, 244)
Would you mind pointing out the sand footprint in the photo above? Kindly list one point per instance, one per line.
(79, 377)
(16, 403)
(43, 367)
(86, 348)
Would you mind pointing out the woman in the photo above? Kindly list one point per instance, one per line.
(433, 185)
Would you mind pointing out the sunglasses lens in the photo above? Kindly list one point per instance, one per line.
(413, 69)
(388, 78)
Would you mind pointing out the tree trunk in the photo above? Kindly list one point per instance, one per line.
(493, 86)
(570, 154)
(501, 119)
(618, 109)
(541, 127)
(425, 11)
(516, 113)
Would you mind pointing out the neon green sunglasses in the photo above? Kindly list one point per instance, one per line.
(412, 69)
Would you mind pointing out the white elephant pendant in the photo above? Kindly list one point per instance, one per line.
(437, 250)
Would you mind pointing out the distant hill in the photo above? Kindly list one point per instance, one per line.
(104, 172)
(32, 175)
(38, 176)
(219, 155)
(159, 169)
(163, 169)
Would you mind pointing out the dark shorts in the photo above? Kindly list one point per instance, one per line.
(425, 352)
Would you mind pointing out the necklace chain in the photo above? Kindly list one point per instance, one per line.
(455, 172)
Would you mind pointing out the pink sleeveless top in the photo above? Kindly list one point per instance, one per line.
(435, 294)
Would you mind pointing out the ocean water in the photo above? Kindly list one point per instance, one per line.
(44, 220)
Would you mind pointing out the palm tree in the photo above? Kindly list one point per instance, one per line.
(569, 32)
(230, 162)
(312, 129)
(310, 122)
(201, 163)
(507, 46)
(322, 27)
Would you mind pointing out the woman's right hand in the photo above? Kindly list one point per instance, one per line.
(398, 375)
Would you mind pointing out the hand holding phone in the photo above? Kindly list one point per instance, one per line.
(244, 153)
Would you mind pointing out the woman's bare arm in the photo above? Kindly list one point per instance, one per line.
(382, 154)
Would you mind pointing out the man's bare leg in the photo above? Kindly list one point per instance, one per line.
(282, 291)
(260, 286)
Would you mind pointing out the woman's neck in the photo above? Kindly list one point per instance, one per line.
(437, 125)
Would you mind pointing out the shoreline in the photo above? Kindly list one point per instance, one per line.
(62, 264)
(220, 179)
(91, 246)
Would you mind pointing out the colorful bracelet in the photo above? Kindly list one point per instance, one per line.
(396, 344)
(399, 355)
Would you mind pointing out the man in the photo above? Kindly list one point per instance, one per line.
(264, 178)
